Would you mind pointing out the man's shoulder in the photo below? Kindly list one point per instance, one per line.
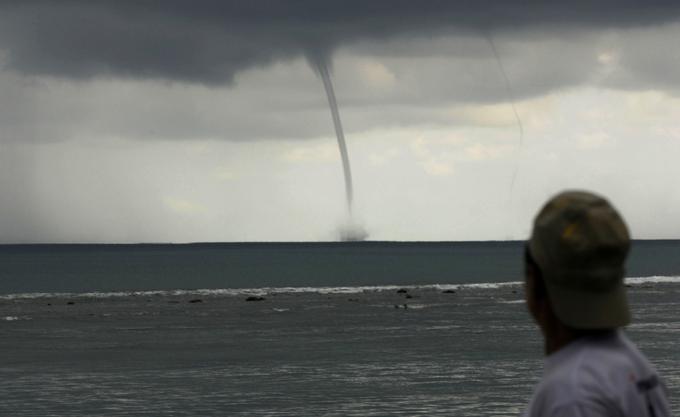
(595, 375)
(585, 379)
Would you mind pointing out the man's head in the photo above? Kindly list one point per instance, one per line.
(575, 260)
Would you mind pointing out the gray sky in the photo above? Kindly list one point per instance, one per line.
(174, 121)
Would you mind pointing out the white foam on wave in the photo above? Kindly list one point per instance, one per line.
(15, 318)
(652, 280)
(512, 302)
(302, 290)
(478, 285)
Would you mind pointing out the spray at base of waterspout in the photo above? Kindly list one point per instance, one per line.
(351, 231)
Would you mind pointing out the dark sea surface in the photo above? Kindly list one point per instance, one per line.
(106, 268)
(165, 330)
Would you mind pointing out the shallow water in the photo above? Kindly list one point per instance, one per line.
(300, 352)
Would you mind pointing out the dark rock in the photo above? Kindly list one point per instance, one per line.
(196, 300)
(514, 291)
(409, 296)
(402, 291)
(255, 298)
(449, 292)
(70, 303)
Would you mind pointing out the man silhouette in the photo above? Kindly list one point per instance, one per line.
(574, 269)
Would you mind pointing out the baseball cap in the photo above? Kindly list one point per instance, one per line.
(580, 243)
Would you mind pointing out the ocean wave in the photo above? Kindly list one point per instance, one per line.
(14, 318)
(255, 291)
(478, 285)
(302, 290)
(653, 280)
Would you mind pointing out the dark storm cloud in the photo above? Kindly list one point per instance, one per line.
(210, 41)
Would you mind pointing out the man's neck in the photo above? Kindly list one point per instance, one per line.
(559, 336)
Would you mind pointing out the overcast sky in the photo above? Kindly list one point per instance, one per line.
(177, 121)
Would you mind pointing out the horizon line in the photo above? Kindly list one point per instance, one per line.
(339, 242)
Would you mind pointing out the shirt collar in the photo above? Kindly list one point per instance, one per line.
(554, 360)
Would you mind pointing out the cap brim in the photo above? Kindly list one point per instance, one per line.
(590, 310)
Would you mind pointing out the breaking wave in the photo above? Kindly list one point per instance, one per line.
(633, 281)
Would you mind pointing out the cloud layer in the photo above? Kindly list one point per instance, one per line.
(210, 41)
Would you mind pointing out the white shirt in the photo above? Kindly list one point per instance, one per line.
(596, 377)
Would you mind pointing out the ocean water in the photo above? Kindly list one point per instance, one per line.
(369, 329)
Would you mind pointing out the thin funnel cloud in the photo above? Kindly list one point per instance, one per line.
(350, 230)
(511, 97)
(322, 68)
